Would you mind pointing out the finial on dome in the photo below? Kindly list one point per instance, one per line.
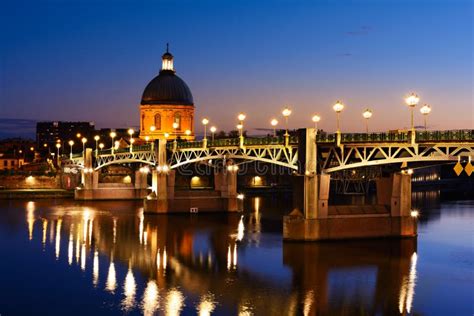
(167, 60)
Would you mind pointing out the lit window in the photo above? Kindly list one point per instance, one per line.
(158, 121)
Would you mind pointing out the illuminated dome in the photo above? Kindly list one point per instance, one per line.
(167, 88)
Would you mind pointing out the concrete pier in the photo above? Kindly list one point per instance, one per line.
(163, 198)
(319, 221)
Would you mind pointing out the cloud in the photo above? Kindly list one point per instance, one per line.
(10, 128)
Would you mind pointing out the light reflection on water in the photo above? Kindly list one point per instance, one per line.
(208, 264)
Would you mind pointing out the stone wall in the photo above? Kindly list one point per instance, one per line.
(60, 181)
(30, 182)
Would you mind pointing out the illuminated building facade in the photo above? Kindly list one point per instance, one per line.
(167, 106)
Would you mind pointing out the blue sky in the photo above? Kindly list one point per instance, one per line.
(90, 60)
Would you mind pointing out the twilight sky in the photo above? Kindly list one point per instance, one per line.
(91, 60)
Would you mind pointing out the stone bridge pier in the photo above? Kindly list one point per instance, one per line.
(165, 199)
(91, 189)
(314, 219)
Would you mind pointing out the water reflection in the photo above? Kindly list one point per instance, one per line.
(208, 264)
(111, 283)
(129, 291)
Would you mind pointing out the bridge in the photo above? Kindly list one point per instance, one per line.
(354, 150)
(312, 156)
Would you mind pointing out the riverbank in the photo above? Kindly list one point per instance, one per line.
(35, 194)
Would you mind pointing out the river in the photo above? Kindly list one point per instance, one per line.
(64, 257)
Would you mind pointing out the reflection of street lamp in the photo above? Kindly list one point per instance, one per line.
(338, 107)
(213, 129)
(425, 110)
(112, 135)
(204, 122)
(71, 143)
(367, 115)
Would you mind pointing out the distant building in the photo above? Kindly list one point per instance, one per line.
(167, 106)
(8, 162)
(48, 133)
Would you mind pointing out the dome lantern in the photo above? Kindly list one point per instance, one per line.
(167, 60)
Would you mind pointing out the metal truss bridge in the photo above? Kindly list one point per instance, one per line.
(351, 151)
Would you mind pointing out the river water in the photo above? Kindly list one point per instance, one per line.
(61, 257)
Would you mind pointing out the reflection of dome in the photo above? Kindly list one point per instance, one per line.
(167, 88)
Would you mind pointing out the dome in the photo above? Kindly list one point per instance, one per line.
(167, 88)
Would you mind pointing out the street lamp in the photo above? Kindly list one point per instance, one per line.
(274, 123)
(213, 129)
(84, 141)
(286, 113)
(204, 122)
(187, 132)
(131, 144)
(152, 128)
(367, 114)
(96, 138)
(71, 143)
(175, 127)
(130, 132)
(338, 107)
(316, 118)
(112, 135)
(78, 135)
(58, 145)
(101, 146)
(425, 110)
(412, 100)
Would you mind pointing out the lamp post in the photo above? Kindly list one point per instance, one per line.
(130, 132)
(131, 144)
(58, 145)
(286, 113)
(175, 127)
(338, 107)
(101, 146)
(204, 122)
(96, 138)
(71, 143)
(213, 129)
(367, 114)
(84, 141)
(274, 123)
(112, 135)
(412, 100)
(187, 132)
(425, 110)
(316, 118)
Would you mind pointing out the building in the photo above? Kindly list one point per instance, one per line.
(48, 133)
(167, 106)
(10, 162)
